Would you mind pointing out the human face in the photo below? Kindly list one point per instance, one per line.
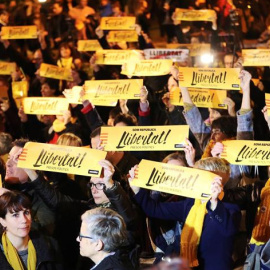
(65, 52)
(213, 115)
(46, 91)
(228, 61)
(17, 224)
(98, 195)
(4, 18)
(176, 162)
(13, 173)
(37, 58)
(172, 83)
(86, 245)
(95, 142)
(217, 135)
(57, 9)
(83, 3)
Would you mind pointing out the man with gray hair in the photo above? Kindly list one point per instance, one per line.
(104, 239)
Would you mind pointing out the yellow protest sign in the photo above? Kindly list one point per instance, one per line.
(144, 138)
(47, 106)
(19, 89)
(256, 57)
(117, 57)
(4, 92)
(114, 89)
(1, 183)
(55, 72)
(173, 179)
(176, 55)
(203, 98)
(88, 45)
(7, 68)
(242, 152)
(19, 32)
(73, 97)
(119, 36)
(194, 15)
(267, 102)
(216, 78)
(61, 158)
(117, 23)
(194, 48)
(147, 68)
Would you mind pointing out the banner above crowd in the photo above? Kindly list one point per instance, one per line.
(117, 23)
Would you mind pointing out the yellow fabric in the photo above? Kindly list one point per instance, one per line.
(13, 257)
(244, 111)
(58, 125)
(191, 234)
(65, 62)
(261, 229)
(188, 106)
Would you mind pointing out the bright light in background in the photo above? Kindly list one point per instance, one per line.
(207, 58)
(42, 1)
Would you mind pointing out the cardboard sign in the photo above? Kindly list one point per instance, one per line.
(73, 97)
(173, 179)
(216, 78)
(19, 32)
(147, 68)
(88, 45)
(19, 89)
(195, 15)
(176, 55)
(256, 57)
(61, 158)
(114, 89)
(55, 72)
(117, 57)
(119, 36)
(241, 152)
(144, 138)
(194, 48)
(47, 106)
(267, 102)
(203, 98)
(117, 23)
(7, 68)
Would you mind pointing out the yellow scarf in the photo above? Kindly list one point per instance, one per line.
(261, 229)
(13, 257)
(59, 126)
(191, 234)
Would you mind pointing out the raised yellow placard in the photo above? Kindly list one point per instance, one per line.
(19, 89)
(88, 45)
(147, 68)
(19, 32)
(73, 96)
(176, 55)
(174, 179)
(7, 68)
(114, 89)
(267, 102)
(119, 36)
(117, 57)
(4, 92)
(45, 105)
(194, 48)
(1, 183)
(241, 152)
(117, 23)
(144, 138)
(59, 158)
(256, 57)
(216, 78)
(55, 72)
(203, 98)
(194, 15)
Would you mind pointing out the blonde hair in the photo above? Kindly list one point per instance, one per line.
(69, 139)
(213, 164)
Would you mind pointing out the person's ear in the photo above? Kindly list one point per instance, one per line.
(3, 222)
(99, 245)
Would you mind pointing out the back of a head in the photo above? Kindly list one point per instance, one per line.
(127, 119)
(5, 143)
(108, 226)
(69, 139)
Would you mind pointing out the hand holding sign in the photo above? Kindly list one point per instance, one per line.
(143, 94)
(132, 172)
(107, 173)
(245, 78)
(216, 189)
(230, 105)
(189, 153)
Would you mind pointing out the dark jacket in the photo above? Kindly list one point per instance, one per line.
(219, 227)
(46, 251)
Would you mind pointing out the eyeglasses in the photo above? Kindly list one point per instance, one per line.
(80, 236)
(99, 186)
(216, 131)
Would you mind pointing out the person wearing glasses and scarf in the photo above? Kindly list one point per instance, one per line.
(21, 249)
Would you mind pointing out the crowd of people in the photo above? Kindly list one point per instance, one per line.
(51, 220)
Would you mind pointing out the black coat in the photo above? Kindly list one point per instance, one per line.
(46, 251)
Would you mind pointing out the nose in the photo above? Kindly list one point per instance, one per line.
(77, 239)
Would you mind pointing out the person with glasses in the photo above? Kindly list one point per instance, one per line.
(104, 239)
